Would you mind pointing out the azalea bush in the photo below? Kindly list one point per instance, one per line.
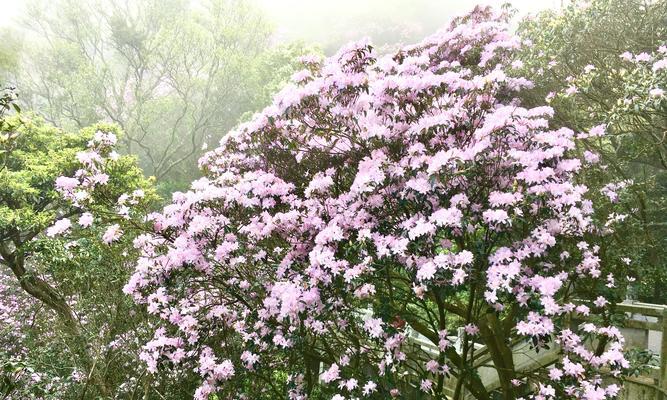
(379, 201)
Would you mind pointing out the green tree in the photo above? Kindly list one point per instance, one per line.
(75, 335)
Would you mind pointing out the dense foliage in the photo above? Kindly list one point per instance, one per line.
(67, 329)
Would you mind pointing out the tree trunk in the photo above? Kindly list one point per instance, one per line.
(500, 352)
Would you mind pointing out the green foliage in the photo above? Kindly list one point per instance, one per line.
(273, 69)
(34, 156)
(641, 361)
(575, 62)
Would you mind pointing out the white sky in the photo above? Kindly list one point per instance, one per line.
(295, 15)
(327, 21)
(314, 20)
(9, 9)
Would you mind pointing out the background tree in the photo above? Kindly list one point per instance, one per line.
(598, 64)
(10, 50)
(174, 75)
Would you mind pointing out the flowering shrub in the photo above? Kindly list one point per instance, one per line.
(376, 200)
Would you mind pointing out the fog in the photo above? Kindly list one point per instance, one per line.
(328, 23)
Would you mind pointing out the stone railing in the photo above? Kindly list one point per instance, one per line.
(645, 328)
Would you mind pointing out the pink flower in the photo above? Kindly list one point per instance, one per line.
(471, 329)
(627, 56)
(499, 199)
(421, 228)
(374, 327)
(643, 57)
(572, 369)
(656, 92)
(432, 366)
(332, 374)
(600, 302)
(449, 217)
(583, 310)
(496, 216)
(426, 271)
(660, 65)
(112, 234)
(591, 157)
(349, 385)
(64, 183)
(86, 220)
(535, 325)
(598, 130)
(59, 227)
(369, 387)
(249, 359)
(426, 385)
(320, 183)
(555, 374)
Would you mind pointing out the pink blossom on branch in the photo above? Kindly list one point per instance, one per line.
(59, 227)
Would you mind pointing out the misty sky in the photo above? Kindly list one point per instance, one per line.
(318, 20)
(328, 22)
